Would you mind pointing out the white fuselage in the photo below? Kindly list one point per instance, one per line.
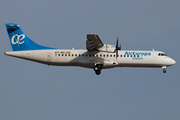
(84, 58)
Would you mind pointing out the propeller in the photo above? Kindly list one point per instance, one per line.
(117, 48)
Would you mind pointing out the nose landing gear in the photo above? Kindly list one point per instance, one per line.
(98, 69)
(164, 69)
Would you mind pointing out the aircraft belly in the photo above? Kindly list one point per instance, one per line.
(89, 63)
(138, 65)
(85, 63)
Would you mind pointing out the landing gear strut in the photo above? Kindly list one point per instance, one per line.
(98, 69)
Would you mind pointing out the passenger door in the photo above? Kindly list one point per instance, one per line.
(49, 57)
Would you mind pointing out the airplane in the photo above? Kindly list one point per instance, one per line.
(97, 55)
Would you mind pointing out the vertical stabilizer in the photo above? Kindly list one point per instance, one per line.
(19, 41)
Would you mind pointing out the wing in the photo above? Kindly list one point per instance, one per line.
(93, 42)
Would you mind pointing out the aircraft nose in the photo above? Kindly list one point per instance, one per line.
(173, 61)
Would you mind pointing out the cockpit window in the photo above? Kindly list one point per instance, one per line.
(162, 54)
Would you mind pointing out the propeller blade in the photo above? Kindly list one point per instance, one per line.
(116, 54)
(117, 48)
(117, 43)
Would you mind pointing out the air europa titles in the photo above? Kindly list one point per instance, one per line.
(138, 53)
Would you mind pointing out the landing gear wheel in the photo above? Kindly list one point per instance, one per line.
(98, 72)
(164, 71)
(98, 69)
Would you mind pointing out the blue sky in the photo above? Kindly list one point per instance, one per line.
(35, 91)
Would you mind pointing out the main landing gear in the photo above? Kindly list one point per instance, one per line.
(98, 69)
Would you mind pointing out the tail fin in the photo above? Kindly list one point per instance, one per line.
(19, 41)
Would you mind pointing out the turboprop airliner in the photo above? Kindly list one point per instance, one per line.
(97, 55)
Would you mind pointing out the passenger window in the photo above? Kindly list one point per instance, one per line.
(86, 55)
(79, 55)
(134, 55)
(124, 55)
(131, 55)
(75, 54)
(137, 55)
(89, 55)
(110, 55)
(104, 55)
(59, 54)
(72, 54)
(121, 55)
(107, 55)
(69, 55)
(65, 54)
(115, 55)
(83, 55)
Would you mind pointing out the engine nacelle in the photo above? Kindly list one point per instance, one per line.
(107, 48)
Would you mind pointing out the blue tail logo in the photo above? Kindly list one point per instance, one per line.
(19, 41)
